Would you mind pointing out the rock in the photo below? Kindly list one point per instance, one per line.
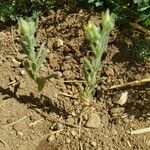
(58, 126)
(94, 121)
(19, 134)
(74, 133)
(68, 140)
(109, 72)
(20, 57)
(51, 138)
(58, 74)
(67, 74)
(70, 120)
(22, 72)
(93, 143)
(58, 43)
(16, 63)
(123, 98)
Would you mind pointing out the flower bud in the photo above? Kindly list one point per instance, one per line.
(27, 27)
(23, 26)
(107, 20)
(92, 31)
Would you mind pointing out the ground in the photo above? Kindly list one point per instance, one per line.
(51, 119)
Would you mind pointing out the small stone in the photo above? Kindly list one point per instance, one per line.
(16, 63)
(51, 138)
(67, 74)
(73, 113)
(94, 121)
(23, 72)
(20, 57)
(70, 120)
(104, 87)
(68, 141)
(123, 98)
(19, 134)
(109, 72)
(137, 77)
(85, 117)
(74, 133)
(58, 43)
(67, 57)
(93, 143)
(58, 126)
(58, 74)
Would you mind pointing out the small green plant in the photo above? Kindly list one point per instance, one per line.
(142, 48)
(35, 57)
(98, 40)
(143, 7)
(14, 9)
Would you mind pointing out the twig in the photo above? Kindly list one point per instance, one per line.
(136, 82)
(16, 121)
(74, 81)
(139, 131)
(13, 82)
(54, 119)
(35, 122)
(81, 146)
(68, 95)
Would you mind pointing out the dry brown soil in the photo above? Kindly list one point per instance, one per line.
(51, 120)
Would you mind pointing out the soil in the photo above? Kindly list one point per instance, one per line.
(51, 119)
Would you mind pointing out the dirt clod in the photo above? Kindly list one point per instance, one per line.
(93, 121)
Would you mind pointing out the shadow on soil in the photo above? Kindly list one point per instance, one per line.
(137, 104)
(43, 102)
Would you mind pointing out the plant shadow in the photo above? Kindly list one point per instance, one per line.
(42, 102)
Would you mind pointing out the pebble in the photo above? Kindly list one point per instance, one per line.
(16, 63)
(109, 72)
(58, 43)
(19, 134)
(58, 126)
(68, 140)
(74, 133)
(22, 72)
(51, 138)
(20, 57)
(58, 74)
(70, 120)
(67, 74)
(94, 121)
(93, 143)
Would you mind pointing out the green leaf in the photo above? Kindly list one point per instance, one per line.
(34, 68)
(42, 47)
(42, 80)
(88, 64)
(41, 83)
(85, 74)
(41, 57)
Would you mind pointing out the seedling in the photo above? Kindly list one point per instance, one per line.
(35, 57)
(98, 38)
